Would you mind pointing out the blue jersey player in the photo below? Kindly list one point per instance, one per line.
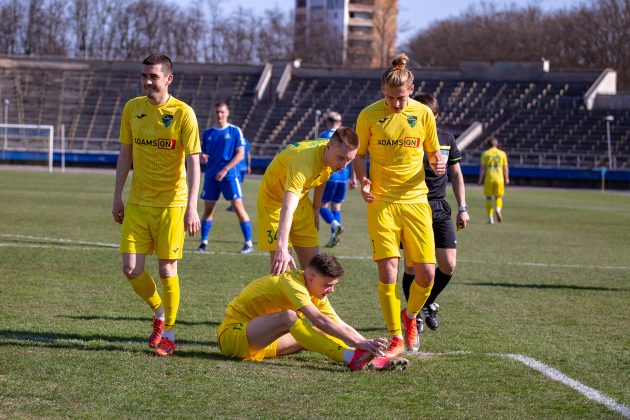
(222, 150)
(335, 191)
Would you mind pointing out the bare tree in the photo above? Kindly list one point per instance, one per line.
(385, 16)
(12, 27)
(275, 36)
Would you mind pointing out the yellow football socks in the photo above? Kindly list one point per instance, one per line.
(499, 203)
(418, 296)
(489, 209)
(170, 296)
(145, 287)
(313, 341)
(390, 305)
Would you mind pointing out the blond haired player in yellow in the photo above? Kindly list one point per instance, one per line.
(269, 318)
(157, 133)
(495, 175)
(397, 131)
(286, 216)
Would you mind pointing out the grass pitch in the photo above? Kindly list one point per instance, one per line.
(552, 283)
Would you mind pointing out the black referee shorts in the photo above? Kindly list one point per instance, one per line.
(443, 228)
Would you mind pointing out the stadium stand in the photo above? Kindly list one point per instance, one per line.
(540, 117)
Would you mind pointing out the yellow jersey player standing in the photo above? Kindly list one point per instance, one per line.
(268, 319)
(397, 131)
(158, 134)
(286, 216)
(494, 174)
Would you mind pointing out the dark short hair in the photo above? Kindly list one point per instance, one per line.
(491, 139)
(429, 100)
(221, 103)
(347, 136)
(326, 265)
(167, 64)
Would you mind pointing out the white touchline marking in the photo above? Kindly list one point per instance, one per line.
(69, 242)
(556, 375)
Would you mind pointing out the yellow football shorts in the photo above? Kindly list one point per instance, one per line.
(493, 188)
(389, 224)
(147, 229)
(232, 341)
(303, 232)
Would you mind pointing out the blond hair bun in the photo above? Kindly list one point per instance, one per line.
(400, 61)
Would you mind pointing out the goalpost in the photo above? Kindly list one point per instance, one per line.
(28, 142)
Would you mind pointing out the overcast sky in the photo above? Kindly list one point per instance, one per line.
(414, 14)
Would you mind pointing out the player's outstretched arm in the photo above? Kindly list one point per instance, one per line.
(282, 259)
(122, 171)
(343, 331)
(193, 173)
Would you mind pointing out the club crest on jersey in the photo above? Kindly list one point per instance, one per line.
(167, 120)
(412, 120)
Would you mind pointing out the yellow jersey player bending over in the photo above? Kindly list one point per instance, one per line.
(494, 174)
(269, 318)
(286, 215)
(396, 131)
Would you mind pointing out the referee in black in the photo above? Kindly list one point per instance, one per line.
(443, 229)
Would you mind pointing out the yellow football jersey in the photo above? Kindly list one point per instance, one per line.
(396, 143)
(161, 137)
(297, 168)
(270, 294)
(494, 160)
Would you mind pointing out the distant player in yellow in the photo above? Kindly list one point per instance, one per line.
(157, 133)
(397, 131)
(269, 318)
(286, 216)
(494, 174)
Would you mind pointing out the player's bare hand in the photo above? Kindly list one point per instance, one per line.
(439, 164)
(118, 211)
(376, 346)
(191, 221)
(203, 158)
(365, 190)
(282, 261)
(352, 183)
(220, 175)
(462, 220)
(507, 181)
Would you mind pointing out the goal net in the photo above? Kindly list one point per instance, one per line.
(26, 142)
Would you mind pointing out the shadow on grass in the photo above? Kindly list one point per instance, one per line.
(139, 318)
(546, 286)
(82, 341)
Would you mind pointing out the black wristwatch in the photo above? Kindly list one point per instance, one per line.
(462, 209)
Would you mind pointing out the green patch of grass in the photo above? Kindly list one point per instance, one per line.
(551, 283)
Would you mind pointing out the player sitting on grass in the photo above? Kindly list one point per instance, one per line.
(269, 318)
